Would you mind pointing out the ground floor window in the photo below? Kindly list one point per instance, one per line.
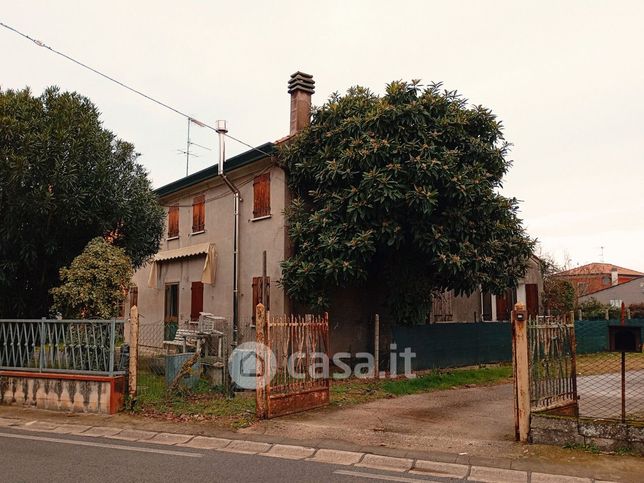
(171, 313)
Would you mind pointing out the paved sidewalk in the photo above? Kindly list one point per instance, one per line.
(413, 464)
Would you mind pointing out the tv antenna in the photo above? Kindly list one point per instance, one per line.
(190, 143)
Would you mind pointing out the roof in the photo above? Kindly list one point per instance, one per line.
(599, 269)
(231, 164)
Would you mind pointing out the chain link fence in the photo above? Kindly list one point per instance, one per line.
(193, 355)
(610, 384)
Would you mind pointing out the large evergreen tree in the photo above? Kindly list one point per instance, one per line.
(402, 189)
(64, 180)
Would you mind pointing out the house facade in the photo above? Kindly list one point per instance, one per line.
(631, 292)
(194, 271)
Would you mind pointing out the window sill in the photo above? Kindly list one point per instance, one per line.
(170, 238)
(197, 232)
(259, 218)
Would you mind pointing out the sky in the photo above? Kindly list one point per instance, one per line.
(565, 78)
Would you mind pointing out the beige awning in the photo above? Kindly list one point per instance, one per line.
(209, 268)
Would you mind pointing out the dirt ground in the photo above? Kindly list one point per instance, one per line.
(476, 420)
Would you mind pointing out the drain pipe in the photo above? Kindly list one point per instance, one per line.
(221, 131)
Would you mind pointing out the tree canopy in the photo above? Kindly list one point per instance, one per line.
(95, 283)
(64, 180)
(402, 188)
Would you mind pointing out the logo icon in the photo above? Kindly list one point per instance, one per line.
(243, 365)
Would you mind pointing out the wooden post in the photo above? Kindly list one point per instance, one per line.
(521, 372)
(607, 314)
(134, 351)
(376, 346)
(261, 363)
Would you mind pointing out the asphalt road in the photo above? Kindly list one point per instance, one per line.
(45, 457)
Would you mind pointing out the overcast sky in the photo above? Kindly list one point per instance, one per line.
(566, 79)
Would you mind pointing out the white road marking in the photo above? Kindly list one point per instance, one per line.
(376, 476)
(102, 445)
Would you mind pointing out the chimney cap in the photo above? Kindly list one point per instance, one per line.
(301, 81)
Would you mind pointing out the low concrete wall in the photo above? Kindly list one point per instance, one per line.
(63, 392)
(605, 435)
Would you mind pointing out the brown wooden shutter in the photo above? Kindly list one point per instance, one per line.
(134, 296)
(199, 213)
(173, 221)
(257, 293)
(262, 195)
(532, 299)
(196, 304)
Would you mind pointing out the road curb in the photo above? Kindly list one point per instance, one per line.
(391, 460)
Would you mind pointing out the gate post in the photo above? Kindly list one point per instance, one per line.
(134, 352)
(261, 362)
(520, 363)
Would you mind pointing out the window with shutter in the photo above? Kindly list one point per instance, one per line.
(196, 304)
(173, 221)
(262, 195)
(199, 214)
(257, 293)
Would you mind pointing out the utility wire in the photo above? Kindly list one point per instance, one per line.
(132, 89)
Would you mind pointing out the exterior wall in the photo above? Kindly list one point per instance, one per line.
(73, 393)
(605, 435)
(255, 237)
(631, 292)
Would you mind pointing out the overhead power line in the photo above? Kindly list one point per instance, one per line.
(131, 89)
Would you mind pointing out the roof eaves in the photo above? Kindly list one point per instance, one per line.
(235, 162)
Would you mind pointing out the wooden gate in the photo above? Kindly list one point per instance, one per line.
(551, 351)
(293, 371)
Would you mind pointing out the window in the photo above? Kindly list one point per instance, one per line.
(171, 303)
(257, 293)
(134, 296)
(616, 303)
(196, 303)
(173, 221)
(606, 280)
(199, 214)
(442, 307)
(262, 195)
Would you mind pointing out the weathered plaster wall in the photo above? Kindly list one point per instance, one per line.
(45, 391)
(255, 237)
(605, 435)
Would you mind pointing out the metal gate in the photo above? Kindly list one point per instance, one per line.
(551, 352)
(293, 367)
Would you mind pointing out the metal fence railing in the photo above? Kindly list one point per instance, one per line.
(610, 384)
(63, 346)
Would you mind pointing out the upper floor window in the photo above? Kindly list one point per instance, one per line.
(262, 195)
(199, 214)
(173, 221)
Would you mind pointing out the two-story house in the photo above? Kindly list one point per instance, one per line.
(194, 269)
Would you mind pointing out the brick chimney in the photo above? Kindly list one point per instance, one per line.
(301, 86)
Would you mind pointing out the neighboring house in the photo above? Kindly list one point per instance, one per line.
(193, 270)
(631, 292)
(593, 277)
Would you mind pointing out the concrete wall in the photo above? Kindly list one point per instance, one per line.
(630, 293)
(604, 435)
(73, 393)
(255, 236)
